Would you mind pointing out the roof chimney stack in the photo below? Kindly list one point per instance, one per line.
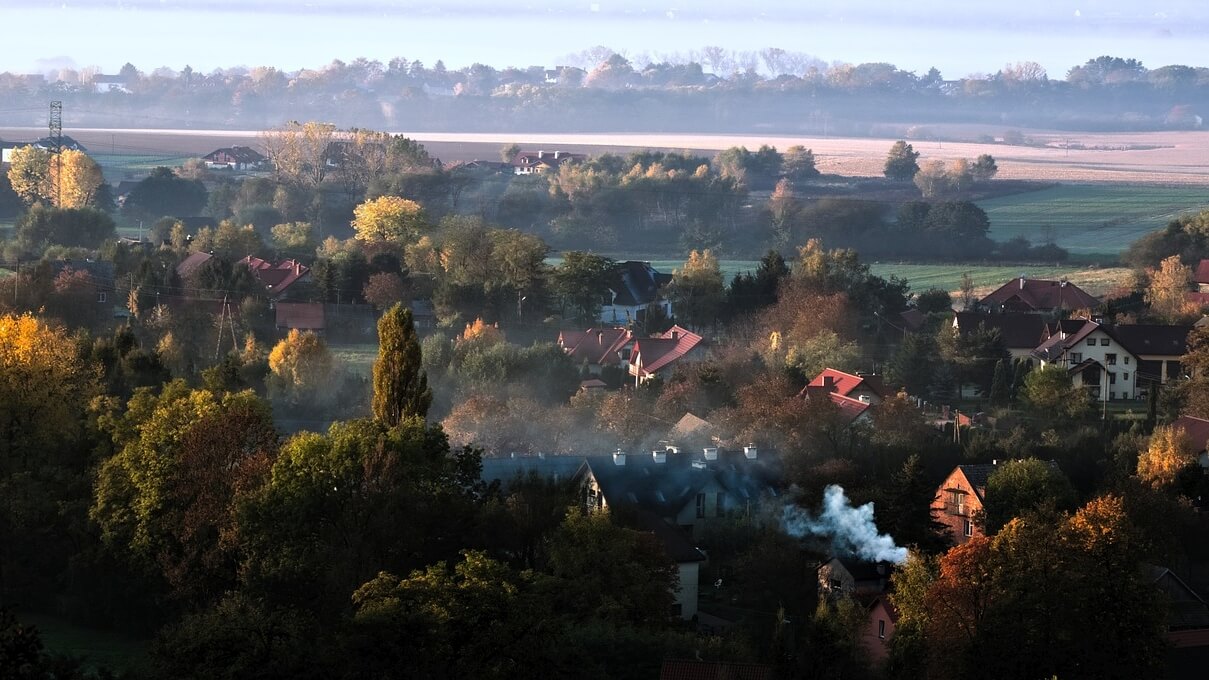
(750, 452)
(711, 453)
(541, 154)
(619, 458)
(659, 456)
(1022, 282)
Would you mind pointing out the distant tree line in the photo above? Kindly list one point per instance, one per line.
(711, 90)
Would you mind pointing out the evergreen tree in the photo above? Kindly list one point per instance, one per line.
(1001, 385)
(400, 383)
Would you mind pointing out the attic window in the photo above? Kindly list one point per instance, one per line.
(1104, 342)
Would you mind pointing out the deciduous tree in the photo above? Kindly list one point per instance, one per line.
(389, 219)
(901, 162)
(400, 383)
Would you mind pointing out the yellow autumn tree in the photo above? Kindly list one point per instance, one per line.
(1166, 292)
(300, 367)
(78, 179)
(481, 333)
(389, 219)
(1168, 454)
(43, 386)
(29, 174)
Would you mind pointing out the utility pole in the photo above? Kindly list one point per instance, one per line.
(56, 142)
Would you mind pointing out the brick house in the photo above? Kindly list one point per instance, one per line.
(959, 498)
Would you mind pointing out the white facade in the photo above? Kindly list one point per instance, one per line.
(619, 315)
(686, 592)
(1119, 376)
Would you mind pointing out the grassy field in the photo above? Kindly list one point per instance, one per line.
(1087, 219)
(124, 166)
(95, 648)
(357, 358)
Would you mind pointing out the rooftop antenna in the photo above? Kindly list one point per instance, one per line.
(56, 146)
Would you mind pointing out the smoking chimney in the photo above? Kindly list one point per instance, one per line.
(619, 457)
(750, 452)
(711, 453)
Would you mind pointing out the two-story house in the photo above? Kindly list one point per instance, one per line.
(1159, 349)
(598, 347)
(635, 286)
(959, 498)
(660, 353)
(1095, 358)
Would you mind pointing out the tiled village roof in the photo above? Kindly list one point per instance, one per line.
(1040, 295)
(1018, 331)
(656, 353)
(845, 384)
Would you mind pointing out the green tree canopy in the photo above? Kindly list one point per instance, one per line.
(400, 383)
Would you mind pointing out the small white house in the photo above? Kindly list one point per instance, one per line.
(1096, 360)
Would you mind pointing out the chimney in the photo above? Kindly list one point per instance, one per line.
(672, 449)
(750, 452)
(619, 458)
(541, 154)
(675, 334)
(600, 337)
(829, 383)
(864, 399)
(659, 456)
(556, 154)
(1021, 283)
(711, 453)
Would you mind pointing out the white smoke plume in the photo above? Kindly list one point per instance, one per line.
(851, 530)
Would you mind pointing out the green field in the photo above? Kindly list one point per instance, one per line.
(121, 166)
(1090, 219)
(357, 358)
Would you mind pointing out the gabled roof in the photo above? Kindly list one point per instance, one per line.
(637, 284)
(1058, 344)
(237, 154)
(1040, 295)
(1018, 331)
(845, 384)
(977, 476)
(276, 277)
(302, 316)
(1153, 339)
(508, 469)
(850, 408)
(595, 345)
(191, 264)
(653, 354)
(1202, 271)
(689, 425)
(1084, 365)
(1197, 430)
(528, 159)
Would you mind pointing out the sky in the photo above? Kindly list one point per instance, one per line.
(958, 37)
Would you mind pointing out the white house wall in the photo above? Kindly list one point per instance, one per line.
(686, 593)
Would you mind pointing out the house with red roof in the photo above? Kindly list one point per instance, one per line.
(301, 316)
(661, 352)
(1202, 276)
(597, 347)
(277, 278)
(867, 389)
(235, 158)
(1038, 296)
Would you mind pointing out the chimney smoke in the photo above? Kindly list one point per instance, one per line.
(850, 529)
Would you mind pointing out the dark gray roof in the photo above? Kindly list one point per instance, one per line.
(507, 469)
(665, 488)
(637, 283)
(1018, 331)
(1153, 338)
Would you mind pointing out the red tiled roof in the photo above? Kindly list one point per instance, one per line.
(1040, 295)
(303, 316)
(655, 353)
(1202, 271)
(276, 278)
(596, 345)
(191, 264)
(1197, 430)
(850, 408)
(846, 383)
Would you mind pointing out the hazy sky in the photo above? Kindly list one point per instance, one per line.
(962, 37)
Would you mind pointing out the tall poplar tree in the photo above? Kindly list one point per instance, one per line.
(400, 383)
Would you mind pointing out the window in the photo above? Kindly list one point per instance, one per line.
(1124, 376)
(1112, 378)
(1104, 342)
(720, 505)
(881, 629)
(700, 505)
(1076, 357)
(1110, 359)
(957, 502)
(1126, 359)
(102, 297)
(1091, 342)
(968, 528)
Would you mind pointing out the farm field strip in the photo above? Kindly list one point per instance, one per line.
(1090, 218)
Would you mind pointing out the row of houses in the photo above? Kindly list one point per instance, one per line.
(643, 359)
